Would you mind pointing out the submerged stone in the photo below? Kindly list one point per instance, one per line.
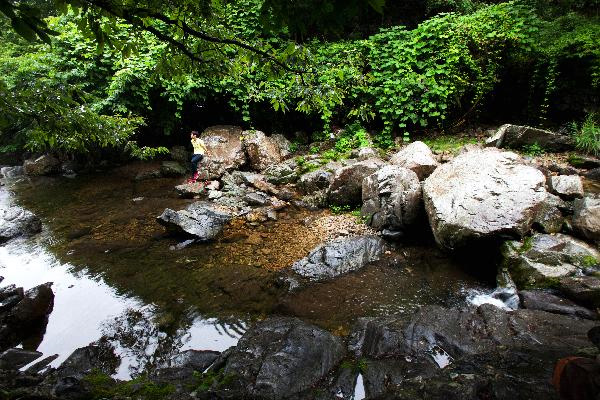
(16, 221)
(201, 219)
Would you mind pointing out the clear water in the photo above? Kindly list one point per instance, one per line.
(116, 274)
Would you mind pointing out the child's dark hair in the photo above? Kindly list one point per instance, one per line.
(195, 133)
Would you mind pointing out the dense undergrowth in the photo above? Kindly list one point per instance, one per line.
(450, 66)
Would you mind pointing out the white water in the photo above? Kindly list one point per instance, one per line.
(359, 389)
(85, 308)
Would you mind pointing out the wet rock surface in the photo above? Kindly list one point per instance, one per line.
(339, 256)
(202, 220)
(280, 358)
(543, 259)
(482, 194)
(549, 217)
(417, 157)
(586, 219)
(545, 301)
(392, 198)
(16, 221)
(584, 290)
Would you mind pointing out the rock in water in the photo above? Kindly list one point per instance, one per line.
(346, 184)
(586, 219)
(225, 151)
(339, 256)
(543, 259)
(43, 165)
(280, 358)
(35, 306)
(190, 190)
(16, 221)
(515, 137)
(482, 194)
(391, 198)
(417, 157)
(172, 168)
(201, 219)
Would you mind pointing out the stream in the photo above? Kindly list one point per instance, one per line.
(117, 275)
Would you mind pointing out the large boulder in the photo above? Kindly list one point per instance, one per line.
(44, 165)
(482, 194)
(542, 260)
(466, 332)
(417, 157)
(99, 356)
(346, 184)
(225, 150)
(586, 219)
(280, 358)
(582, 289)
(203, 220)
(282, 173)
(262, 150)
(516, 137)
(314, 181)
(545, 301)
(35, 306)
(568, 187)
(391, 198)
(16, 221)
(339, 256)
(549, 218)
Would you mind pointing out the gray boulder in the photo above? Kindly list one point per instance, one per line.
(261, 149)
(346, 184)
(391, 198)
(417, 157)
(314, 181)
(482, 194)
(190, 190)
(586, 219)
(542, 260)
(44, 165)
(225, 150)
(544, 301)
(283, 144)
(12, 172)
(172, 169)
(203, 220)
(568, 187)
(280, 358)
(582, 289)
(515, 137)
(16, 221)
(339, 256)
(282, 173)
(366, 153)
(99, 356)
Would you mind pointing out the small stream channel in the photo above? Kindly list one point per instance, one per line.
(116, 274)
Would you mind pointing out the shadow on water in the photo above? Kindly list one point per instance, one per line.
(103, 234)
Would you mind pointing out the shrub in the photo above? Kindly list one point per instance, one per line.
(587, 135)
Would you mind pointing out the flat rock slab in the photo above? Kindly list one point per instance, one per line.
(17, 358)
(339, 256)
(467, 332)
(586, 219)
(202, 220)
(16, 221)
(544, 301)
(516, 137)
(482, 194)
(280, 358)
(190, 190)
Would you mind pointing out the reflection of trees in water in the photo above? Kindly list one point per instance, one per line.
(144, 345)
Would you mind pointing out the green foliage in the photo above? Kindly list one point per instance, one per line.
(356, 366)
(452, 144)
(305, 166)
(211, 379)
(587, 135)
(353, 137)
(533, 150)
(338, 210)
(445, 65)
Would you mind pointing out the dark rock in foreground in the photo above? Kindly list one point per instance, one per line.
(544, 301)
(16, 221)
(44, 165)
(339, 256)
(201, 219)
(279, 358)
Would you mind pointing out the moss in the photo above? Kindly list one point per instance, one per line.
(589, 261)
(212, 379)
(527, 245)
(102, 386)
(448, 143)
(575, 160)
(356, 366)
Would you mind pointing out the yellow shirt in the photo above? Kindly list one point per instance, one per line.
(199, 146)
